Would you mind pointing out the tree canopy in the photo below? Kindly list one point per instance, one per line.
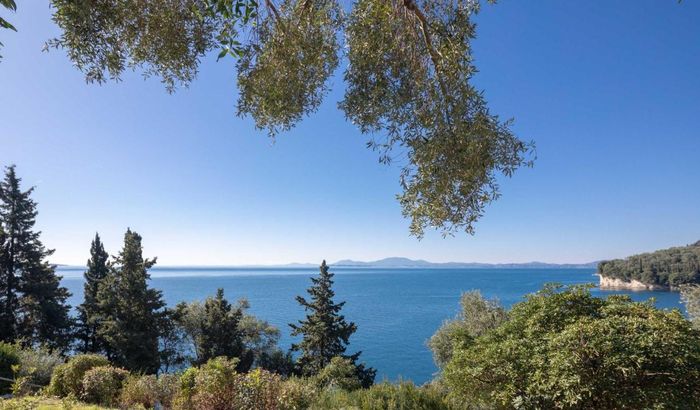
(408, 80)
(667, 267)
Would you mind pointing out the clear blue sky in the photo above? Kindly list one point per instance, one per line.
(608, 90)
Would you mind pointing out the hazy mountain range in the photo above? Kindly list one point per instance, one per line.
(419, 263)
(395, 262)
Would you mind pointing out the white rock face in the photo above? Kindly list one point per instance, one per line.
(614, 283)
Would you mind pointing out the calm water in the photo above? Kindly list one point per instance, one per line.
(396, 310)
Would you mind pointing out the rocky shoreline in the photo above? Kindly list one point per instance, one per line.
(615, 283)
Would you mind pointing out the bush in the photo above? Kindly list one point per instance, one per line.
(564, 348)
(383, 396)
(9, 361)
(67, 379)
(36, 365)
(217, 385)
(297, 394)
(148, 391)
(102, 385)
(340, 373)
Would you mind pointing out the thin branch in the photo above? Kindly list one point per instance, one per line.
(435, 55)
(274, 11)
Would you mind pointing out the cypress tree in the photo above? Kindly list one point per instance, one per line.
(34, 305)
(89, 313)
(325, 332)
(132, 313)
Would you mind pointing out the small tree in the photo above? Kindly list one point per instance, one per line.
(325, 332)
(133, 314)
(89, 313)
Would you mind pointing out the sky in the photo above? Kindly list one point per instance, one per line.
(608, 91)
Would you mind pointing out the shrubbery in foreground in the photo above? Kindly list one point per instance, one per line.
(561, 348)
(564, 348)
(67, 379)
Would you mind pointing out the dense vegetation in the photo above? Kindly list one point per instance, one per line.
(559, 348)
(668, 267)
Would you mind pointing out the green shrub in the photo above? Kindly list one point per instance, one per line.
(9, 361)
(148, 391)
(340, 373)
(297, 394)
(140, 391)
(564, 348)
(36, 365)
(217, 385)
(67, 379)
(383, 396)
(102, 385)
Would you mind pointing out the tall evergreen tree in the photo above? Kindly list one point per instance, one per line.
(325, 332)
(34, 305)
(133, 314)
(220, 334)
(89, 314)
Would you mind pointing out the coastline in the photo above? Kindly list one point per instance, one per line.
(615, 283)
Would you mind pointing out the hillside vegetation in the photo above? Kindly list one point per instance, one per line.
(668, 267)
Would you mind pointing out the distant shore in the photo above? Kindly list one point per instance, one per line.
(615, 283)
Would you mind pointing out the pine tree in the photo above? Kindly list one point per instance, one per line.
(34, 305)
(89, 313)
(132, 313)
(325, 332)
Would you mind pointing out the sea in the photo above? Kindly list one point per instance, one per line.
(396, 310)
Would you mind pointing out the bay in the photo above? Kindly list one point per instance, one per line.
(396, 310)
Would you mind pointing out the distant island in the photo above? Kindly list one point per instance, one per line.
(387, 263)
(419, 263)
(665, 269)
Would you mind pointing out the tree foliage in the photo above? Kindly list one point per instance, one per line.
(9, 5)
(668, 267)
(33, 304)
(325, 332)
(215, 328)
(89, 313)
(477, 316)
(283, 74)
(563, 348)
(133, 314)
(408, 80)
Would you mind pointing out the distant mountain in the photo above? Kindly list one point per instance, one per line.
(397, 262)
(394, 262)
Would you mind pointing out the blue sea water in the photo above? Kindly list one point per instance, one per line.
(396, 310)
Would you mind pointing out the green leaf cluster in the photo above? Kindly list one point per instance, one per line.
(408, 80)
